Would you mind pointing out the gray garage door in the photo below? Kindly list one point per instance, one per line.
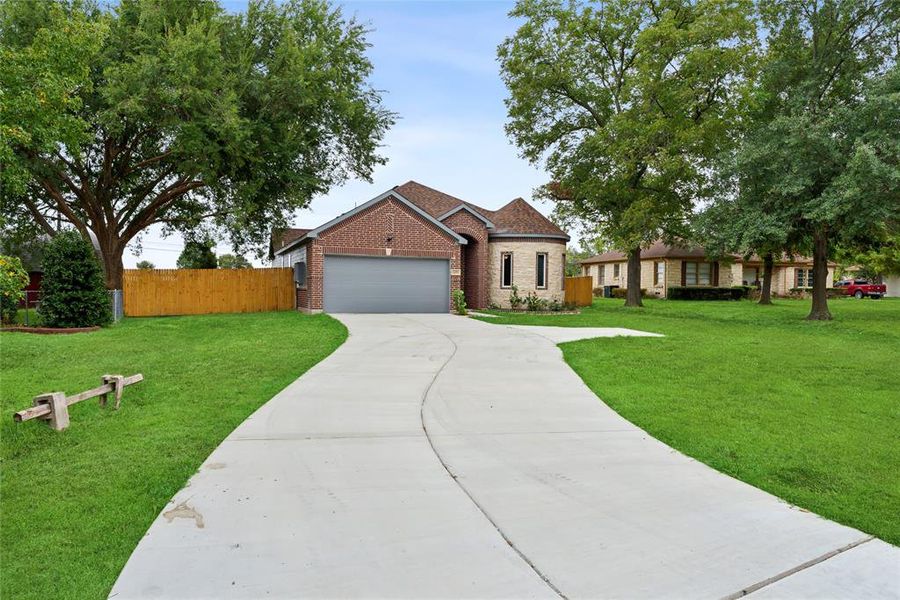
(357, 284)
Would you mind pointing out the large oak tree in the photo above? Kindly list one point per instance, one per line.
(179, 114)
(624, 102)
(822, 155)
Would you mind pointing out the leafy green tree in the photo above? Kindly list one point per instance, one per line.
(234, 261)
(145, 265)
(733, 224)
(13, 279)
(180, 114)
(74, 294)
(822, 156)
(877, 256)
(624, 102)
(197, 254)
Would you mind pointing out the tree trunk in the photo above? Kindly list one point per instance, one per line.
(633, 294)
(765, 296)
(819, 311)
(111, 257)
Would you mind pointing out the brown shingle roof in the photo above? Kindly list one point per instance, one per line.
(661, 250)
(657, 250)
(516, 217)
(283, 237)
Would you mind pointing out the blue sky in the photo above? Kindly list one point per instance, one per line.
(436, 63)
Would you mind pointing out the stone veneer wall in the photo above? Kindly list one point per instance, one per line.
(524, 251)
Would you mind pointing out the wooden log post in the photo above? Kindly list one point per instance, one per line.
(58, 418)
(118, 384)
(54, 407)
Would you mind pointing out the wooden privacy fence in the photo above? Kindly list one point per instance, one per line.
(578, 291)
(159, 292)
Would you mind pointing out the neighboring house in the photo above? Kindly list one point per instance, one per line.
(409, 248)
(664, 266)
(893, 285)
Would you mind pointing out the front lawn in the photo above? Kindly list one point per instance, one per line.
(809, 411)
(76, 503)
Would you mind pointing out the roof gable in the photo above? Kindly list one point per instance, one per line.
(487, 222)
(516, 218)
(314, 233)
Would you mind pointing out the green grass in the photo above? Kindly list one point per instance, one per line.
(75, 504)
(809, 411)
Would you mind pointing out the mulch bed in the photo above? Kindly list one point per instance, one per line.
(51, 330)
(509, 311)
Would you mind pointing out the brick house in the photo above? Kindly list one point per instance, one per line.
(409, 248)
(664, 266)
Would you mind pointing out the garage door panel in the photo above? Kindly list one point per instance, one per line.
(355, 284)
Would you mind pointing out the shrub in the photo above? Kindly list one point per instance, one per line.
(554, 304)
(13, 279)
(74, 294)
(621, 292)
(534, 302)
(706, 293)
(515, 300)
(145, 265)
(459, 302)
(744, 290)
(598, 292)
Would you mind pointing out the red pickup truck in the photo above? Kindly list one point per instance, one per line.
(860, 288)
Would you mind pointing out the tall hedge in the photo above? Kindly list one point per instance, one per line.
(74, 293)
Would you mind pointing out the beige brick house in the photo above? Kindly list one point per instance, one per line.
(664, 266)
(409, 248)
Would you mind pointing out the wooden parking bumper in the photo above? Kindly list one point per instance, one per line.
(54, 407)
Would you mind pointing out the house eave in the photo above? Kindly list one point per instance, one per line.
(554, 236)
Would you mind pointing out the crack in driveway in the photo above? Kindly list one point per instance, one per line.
(455, 478)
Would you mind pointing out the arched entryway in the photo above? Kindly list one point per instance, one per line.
(474, 272)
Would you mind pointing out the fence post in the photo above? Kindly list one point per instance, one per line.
(59, 410)
(115, 299)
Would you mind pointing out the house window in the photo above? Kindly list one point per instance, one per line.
(704, 273)
(540, 279)
(562, 276)
(750, 275)
(690, 273)
(506, 267)
(601, 274)
(659, 274)
(615, 271)
(697, 273)
(804, 278)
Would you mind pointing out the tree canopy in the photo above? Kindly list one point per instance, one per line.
(624, 102)
(821, 156)
(232, 261)
(197, 254)
(181, 115)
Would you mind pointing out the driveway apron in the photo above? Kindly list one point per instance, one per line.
(438, 456)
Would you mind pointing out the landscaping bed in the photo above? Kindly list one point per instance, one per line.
(805, 410)
(75, 503)
(49, 330)
(525, 311)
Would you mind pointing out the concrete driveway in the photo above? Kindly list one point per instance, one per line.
(437, 456)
